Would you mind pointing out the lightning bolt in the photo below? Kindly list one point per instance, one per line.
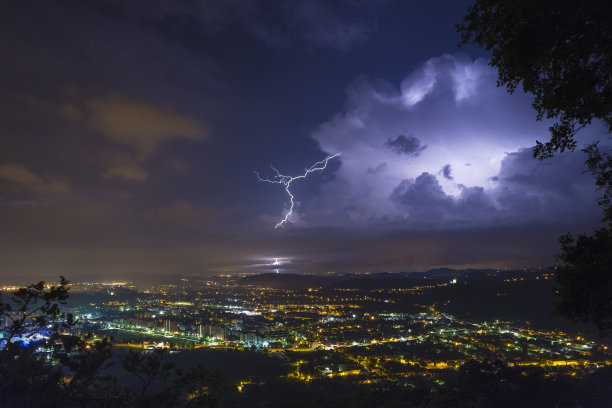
(287, 180)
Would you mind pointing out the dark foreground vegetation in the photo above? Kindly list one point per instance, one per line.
(44, 364)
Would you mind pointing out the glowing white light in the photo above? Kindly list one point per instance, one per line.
(287, 180)
(417, 86)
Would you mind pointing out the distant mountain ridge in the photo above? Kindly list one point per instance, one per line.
(363, 281)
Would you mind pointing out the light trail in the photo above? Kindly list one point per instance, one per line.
(287, 180)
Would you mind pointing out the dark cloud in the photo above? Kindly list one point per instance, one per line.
(423, 201)
(22, 179)
(128, 132)
(340, 25)
(408, 145)
(423, 198)
(528, 190)
(447, 172)
(323, 26)
(557, 189)
(88, 94)
(475, 204)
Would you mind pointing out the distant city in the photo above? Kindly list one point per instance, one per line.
(372, 328)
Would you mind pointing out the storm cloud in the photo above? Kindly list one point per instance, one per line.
(461, 117)
(447, 172)
(338, 26)
(130, 130)
(408, 145)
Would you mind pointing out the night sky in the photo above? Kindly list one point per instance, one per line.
(130, 132)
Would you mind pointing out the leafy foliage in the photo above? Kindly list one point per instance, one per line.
(147, 368)
(163, 386)
(34, 308)
(561, 52)
(558, 50)
(600, 165)
(26, 380)
(584, 284)
(66, 370)
(40, 364)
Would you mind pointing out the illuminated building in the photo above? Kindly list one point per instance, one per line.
(170, 326)
(214, 332)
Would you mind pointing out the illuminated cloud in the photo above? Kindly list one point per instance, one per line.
(23, 179)
(128, 172)
(141, 126)
(463, 163)
(409, 145)
(137, 125)
(419, 84)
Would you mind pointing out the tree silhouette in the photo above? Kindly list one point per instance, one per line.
(584, 283)
(147, 367)
(560, 51)
(29, 379)
(41, 364)
(32, 309)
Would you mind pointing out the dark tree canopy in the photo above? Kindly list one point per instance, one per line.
(561, 52)
(67, 370)
(558, 50)
(584, 283)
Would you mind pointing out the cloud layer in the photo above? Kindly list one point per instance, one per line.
(130, 130)
(22, 179)
(448, 149)
(340, 25)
